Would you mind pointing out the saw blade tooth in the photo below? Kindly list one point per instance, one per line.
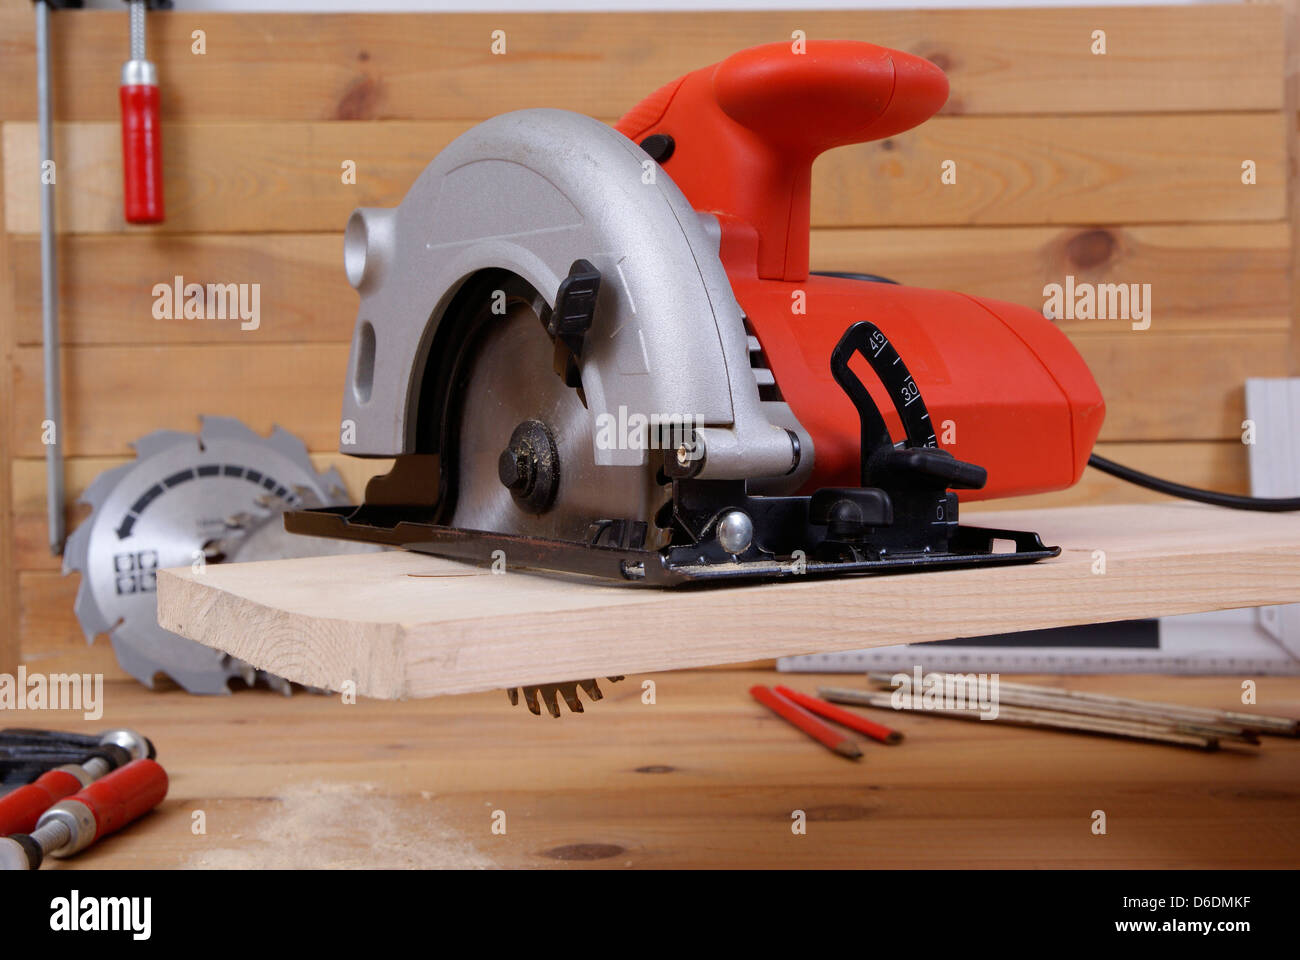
(291, 446)
(155, 443)
(97, 490)
(550, 694)
(278, 684)
(530, 700)
(76, 549)
(592, 688)
(226, 428)
(513, 694)
(570, 693)
(133, 663)
(86, 609)
(204, 684)
(243, 670)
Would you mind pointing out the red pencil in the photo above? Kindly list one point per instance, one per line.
(806, 722)
(850, 720)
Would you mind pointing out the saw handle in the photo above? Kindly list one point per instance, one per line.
(745, 131)
(835, 93)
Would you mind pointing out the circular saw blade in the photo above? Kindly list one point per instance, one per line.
(183, 497)
(510, 379)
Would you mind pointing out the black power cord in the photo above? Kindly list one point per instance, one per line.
(1236, 502)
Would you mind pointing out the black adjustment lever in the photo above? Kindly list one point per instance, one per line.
(919, 459)
(575, 306)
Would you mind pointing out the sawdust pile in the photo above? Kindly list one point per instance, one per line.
(339, 826)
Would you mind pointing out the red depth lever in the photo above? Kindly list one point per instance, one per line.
(142, 181)
(73, 824)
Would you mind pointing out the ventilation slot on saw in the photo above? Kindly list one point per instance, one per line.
(767, 388)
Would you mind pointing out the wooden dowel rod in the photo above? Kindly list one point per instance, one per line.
(1257, 722)
(1020, 716)
(1020, 698)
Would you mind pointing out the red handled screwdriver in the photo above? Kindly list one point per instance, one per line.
(21, 808)
(74, 823)
(142, 177)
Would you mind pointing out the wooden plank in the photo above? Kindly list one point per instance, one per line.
(297, 386)
(286, 177)
(28, 482)
(272, 177)
(1202, 276)
(703, 777)
(1180, 387)
(399, 625)
(419, 67)
(107, 282)
(1094, 170)
(50, 639)
(1177, 387)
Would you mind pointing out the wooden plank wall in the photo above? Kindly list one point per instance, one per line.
(1116, 168)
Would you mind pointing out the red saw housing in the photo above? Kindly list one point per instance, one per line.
(1004, 387)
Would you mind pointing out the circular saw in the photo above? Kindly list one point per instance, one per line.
(189, 499)
(600, 351)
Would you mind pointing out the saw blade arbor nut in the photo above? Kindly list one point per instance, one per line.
(530, 466)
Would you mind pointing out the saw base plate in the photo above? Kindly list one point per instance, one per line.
(672, 566)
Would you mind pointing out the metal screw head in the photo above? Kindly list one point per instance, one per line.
(513, 469)
(735, 532)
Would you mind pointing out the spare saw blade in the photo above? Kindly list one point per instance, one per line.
(186, 499)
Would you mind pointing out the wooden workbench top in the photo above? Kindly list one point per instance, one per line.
(704, 777)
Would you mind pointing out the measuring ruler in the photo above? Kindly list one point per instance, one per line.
(1013, 660)
(1231, 642)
